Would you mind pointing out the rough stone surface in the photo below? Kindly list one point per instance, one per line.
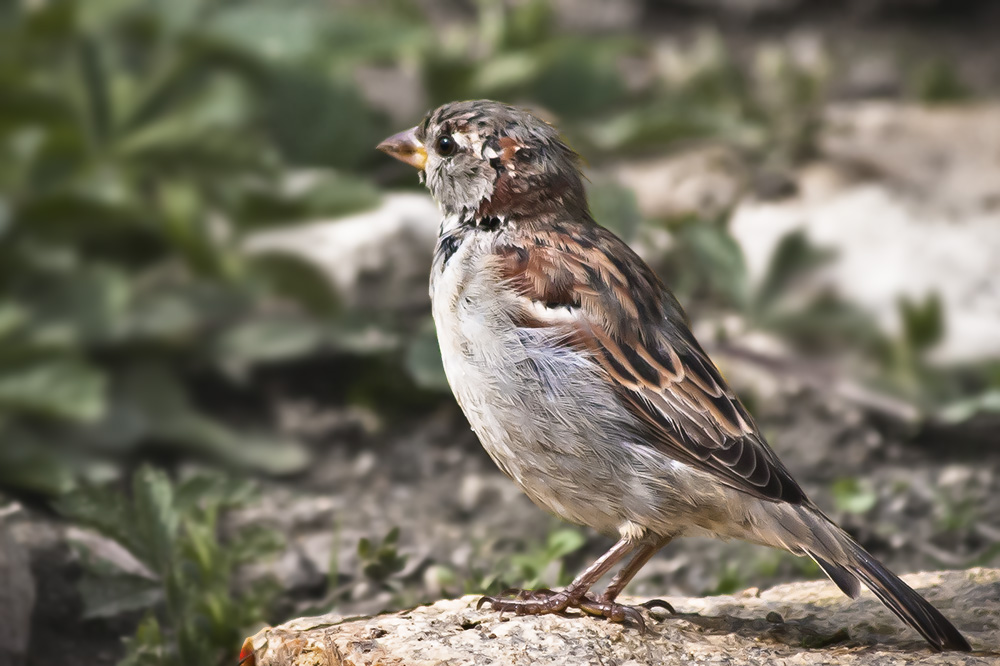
(17, 597)
(801, 623)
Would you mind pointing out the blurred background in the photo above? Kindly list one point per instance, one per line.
(221, 401)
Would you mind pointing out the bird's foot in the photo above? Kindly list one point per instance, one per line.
(543, 601)
(612, 611)
(616, 612)
(528, 602)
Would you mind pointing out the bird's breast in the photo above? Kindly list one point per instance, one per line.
(538, 407)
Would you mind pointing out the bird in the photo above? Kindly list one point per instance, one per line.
(577, 369)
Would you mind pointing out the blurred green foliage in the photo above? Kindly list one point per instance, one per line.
(192, 613)
(853, 496)
(142, 142)
(380, 559)
(544, 565)
(549, 563)
(751, 564)
(139, 144)
(936, 81)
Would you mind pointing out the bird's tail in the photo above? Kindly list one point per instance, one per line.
(898, 597)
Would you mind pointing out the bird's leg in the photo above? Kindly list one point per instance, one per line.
(539, 602)
(604, 605)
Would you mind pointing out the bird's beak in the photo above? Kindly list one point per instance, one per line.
(406, 147)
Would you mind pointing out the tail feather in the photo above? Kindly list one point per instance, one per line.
(902, 600)
(805, 530)
(845, 580)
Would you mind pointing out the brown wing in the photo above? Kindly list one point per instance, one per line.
(638, 332)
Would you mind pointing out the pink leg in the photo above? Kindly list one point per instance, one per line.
(605, 606)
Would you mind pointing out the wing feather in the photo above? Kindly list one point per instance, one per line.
(638, 333)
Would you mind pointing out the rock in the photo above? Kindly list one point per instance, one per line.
(396, 91)
(703, 181)
(944, 155)
(597, 15)
(909, 199)
(108, 552)
(378, 260)
(801, 623)
(17, 598)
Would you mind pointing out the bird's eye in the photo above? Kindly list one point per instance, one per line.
(446, 145)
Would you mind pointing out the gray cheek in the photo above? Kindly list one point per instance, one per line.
(461, 183)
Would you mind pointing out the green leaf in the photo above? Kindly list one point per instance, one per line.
(111, 596)
(185, 225)
(31, 463)
(963, 410)
(314, 195)
(507, 71)
(255, 542)
(263, 452)
(179, 14)
(62, 388)
(95, 80)
(423, 360)
(95, 204)
(718, 260)
(156, 518)
(825, 322)
(212, 490)
(364, 548)
(563, 542)
(380, 561)
(374, 32)
(206, 86)
(923, 323)
(104, 510)
(12, 318)
(853, 496)
(297, 279)
(530, 567)
(579, 77)
(87, 305)
(159, 400)
(527, 24)
(938, 81)
(283, 32)
(660, 125)
(616, 208)
(148, 646)
(793, 259)
(172, 313)
(268, 340)
(318, 122)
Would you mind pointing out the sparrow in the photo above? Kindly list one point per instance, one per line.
(577, 369)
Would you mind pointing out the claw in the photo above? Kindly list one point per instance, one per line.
(613, 612)
(658, 603)
(636, 617)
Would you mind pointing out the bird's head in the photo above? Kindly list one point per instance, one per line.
(486, 159)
